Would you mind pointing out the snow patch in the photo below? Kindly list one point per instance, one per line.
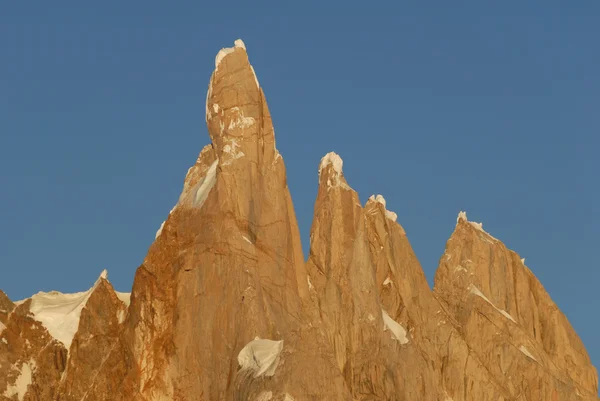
(387, 281)
(255, 77)
(22, 383)
(310, 286)
(260, 356)
(246, 239)
(334, 159)
(221, 55)
(371, 317)
(125, 297)
(523, 261)
(2, 327)
(398, 332)
(391, 215)
(159, 232)
(59, 313)
(336, 163)
(525, 351)
(240, 43)
(474, 290)
(121, 316)
(216, 108)
(479, 226)
(4, 341)
(202, 189)
(380, 199)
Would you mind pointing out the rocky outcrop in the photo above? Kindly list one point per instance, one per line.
(53, 344)
(96, 347)
(227, 266)
(224, 306)
(356, 291)
(509, 320)
(31, 360)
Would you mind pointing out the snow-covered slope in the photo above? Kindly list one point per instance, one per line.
(60, 313)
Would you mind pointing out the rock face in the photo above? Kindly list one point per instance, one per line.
(224, 306)
(509, 320)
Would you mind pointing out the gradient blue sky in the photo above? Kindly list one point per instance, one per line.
(492, 109)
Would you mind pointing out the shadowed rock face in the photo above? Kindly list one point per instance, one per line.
(224, 306)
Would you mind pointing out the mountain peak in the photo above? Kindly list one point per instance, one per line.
(381, 200)
(237, 115)
(225, 307)
(331, 172)
(238, 44)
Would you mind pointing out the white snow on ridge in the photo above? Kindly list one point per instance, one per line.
(391, 215)
(22, 383)
(159, 232)
(255, 77)
(380, 199)
(336, 163)
(221, 55)
(260, 356)
(478, 226)
(474, 290)
(227, 50)
(398, 332)
(59, 313)
(334, 159)
(240, 43)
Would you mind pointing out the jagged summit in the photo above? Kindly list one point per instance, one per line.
(224, 306)
(331, 173)
(238, 44)
(332, 159)
(381, 200)
(60, 312)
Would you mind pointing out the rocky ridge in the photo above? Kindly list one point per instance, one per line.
(225, 307)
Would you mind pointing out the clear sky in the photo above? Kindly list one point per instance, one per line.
(488, 108)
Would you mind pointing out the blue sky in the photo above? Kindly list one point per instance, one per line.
(488, 108)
